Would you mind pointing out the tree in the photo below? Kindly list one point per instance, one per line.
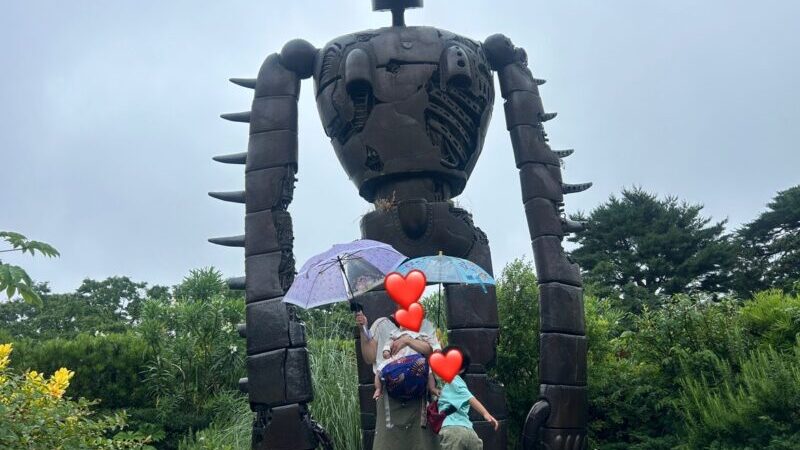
(638, 248)
(517, 364)
(770, 247)
(14, 279)
(111, 305)
(197, 355)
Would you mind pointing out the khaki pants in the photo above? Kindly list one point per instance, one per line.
(406, 432)
(460, 438)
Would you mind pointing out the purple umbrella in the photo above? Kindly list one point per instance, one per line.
(342, 273)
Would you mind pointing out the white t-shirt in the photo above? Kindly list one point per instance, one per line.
(383, 329)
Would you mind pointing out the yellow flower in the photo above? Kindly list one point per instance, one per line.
(5, 351)
(62, 376)
(35, 377)
(59, 382)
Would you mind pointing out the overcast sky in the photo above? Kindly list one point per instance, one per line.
(109, 118)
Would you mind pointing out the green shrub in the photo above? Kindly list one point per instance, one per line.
(756, 408)
(107, 367)
(517, 364)
(197, 356)
(36, 414)
(772, 319)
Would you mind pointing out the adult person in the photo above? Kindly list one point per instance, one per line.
(405, 428)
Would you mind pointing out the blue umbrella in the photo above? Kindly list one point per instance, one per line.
(447, 269)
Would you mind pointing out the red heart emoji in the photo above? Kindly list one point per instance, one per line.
(447, 365)
(405, 291)
(410, 318)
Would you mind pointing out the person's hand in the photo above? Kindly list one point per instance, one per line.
(361, 319)
(400, 343)
(492, 421)
(436, 391)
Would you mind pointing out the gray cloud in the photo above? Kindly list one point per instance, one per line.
(109, 118)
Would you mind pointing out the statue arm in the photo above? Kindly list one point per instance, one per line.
(279, 379)
(560, 415)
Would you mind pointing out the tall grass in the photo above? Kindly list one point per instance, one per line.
(335, 380)
(335, 405)
(230, 429)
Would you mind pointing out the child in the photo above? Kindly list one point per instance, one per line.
(457, 432)
(420, 363)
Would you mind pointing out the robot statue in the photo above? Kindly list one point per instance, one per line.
(407, 109)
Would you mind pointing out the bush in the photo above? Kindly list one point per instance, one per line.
(517, 364)
(197, 356)
(772, 319)
(757, 408)
(36, 415)
(107, 366)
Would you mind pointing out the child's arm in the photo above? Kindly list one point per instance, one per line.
(478, 406)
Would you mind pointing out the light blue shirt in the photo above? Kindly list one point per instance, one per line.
(456, 393)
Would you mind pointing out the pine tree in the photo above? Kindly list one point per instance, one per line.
(770, 247)
(638, 247)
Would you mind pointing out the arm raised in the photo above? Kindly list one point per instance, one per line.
(561, 413)
(279, 379)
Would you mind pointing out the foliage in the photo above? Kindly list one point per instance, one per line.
(37, 416)
(637, 247)
(643, 371)
(518, 346)
(202, 285)
(634, 375)
(107, 366)
(197, 355)
(13, 278)
(435, 312)
(230, 430)
(335, 383)
(756, 408)
(334, 321)
(770, 247)
(692, 363)
(772, 319)
(108, 306)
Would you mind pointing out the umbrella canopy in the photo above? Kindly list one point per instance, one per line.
(343, 272)
(447, 269)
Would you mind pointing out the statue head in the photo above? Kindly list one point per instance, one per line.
(397, 7)
(387, 5)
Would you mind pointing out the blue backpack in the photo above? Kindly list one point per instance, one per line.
(406, 378)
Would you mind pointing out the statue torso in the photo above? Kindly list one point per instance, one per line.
(405, 103)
